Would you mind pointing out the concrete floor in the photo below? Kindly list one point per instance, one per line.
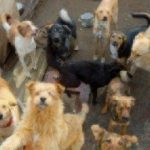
(47, 12)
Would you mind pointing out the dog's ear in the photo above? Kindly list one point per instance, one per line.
(128, 141)
(21, 30)
(30, 85)
(98, 132)
(60, 88)
(67, 29)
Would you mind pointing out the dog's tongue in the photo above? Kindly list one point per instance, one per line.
(7, 124)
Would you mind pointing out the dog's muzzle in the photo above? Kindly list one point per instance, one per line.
(115, 44)
(42, 102)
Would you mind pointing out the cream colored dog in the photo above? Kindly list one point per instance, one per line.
(105, 15)
(9, 111)
(44, 125)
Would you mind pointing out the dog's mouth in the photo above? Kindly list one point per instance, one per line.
(42, 104)
(115, 44)
(6, 122)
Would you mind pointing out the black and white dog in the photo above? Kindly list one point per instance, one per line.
(121, 44)
(93, 73)
(62, 39)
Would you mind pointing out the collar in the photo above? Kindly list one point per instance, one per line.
(8, 124)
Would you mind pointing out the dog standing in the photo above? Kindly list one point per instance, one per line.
(21, 36)
(9, 111)
(44, 125)
(62, 39)
(112, 141)
(105, 15)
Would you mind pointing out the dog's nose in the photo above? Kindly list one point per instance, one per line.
(42, 99)
(1, 116)
(105, 18)
(115, 44)
(125, 118)
(56, 40)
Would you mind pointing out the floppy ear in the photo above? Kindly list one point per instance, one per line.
(98, 132)
(30, 86)
(60, 88)
(129, 140)
(21, 30)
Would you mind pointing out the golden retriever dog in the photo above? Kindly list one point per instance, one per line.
(112, 141)
(21, 36)
(105, 15)
(9, 111)
(140, 48)
(44, 124)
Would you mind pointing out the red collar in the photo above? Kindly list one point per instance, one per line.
(8, 123)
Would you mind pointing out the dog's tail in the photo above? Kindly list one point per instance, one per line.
(65, 16)
(142, 15)
(5, 18)
(84, 111)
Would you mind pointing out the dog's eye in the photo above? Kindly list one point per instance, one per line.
(37, 93)
(120, 38)
(107, 141)
(120, 143)
(3, 106)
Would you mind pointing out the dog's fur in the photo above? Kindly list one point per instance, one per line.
(21, 36)
(121, 44)
(61, 39)
(112, 141)
(44, 125)
(94, 73)
(9, 111)
(105, 15)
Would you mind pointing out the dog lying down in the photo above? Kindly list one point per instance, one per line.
(94, 73)
(112, 141)
(44, 125)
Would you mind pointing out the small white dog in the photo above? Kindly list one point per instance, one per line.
(21, 36)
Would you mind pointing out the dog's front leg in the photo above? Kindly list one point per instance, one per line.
(34, 60)
(112, 126)
(123, 129)
(25, 69)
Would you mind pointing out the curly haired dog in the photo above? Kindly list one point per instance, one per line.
(112, 141)
(44, 124)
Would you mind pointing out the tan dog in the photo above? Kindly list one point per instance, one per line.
(21, 36)
(105, 15)
(140, 47)
(9, 111)
(44, 123)
(112, 141)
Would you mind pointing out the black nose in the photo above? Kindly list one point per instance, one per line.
(105, 18)
(56, 40)
(115, 43)
(1, 116)
(42, 99)
(125, 118)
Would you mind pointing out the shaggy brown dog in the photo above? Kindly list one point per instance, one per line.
(112, 141)
(105, 15)
(9, 111)
(44, 124)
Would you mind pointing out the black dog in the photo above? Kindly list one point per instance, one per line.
(121, 44)
(61, 39)
(94, 73)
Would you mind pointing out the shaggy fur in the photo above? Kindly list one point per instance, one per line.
(94, 73)
(112, 141)
(9, 111)
(61, 39)
(44, 125)
(121, 44)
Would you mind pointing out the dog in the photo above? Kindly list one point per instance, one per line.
(105, 15)
(116, 87)
(62, 39)
(93, 73)
(58, 130)
(9, 111)
(112, 141)
(21, 36)
(121, 43)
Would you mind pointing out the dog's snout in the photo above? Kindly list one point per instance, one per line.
(56, 40)
(115, 44)
(125, 118)
(42, 99)
(1, 116)
(105, 18)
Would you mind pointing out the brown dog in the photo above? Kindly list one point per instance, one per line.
(105, 15)
(44, 123)
(112, 141)
(9, 111)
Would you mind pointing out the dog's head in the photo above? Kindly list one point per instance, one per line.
(44, 95)
(27, 29)
(5, 112)
(117, 39)
(141, 46)
(112, 141)
(103, 14)
(121, 107)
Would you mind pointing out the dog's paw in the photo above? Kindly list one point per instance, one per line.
(28, 75)
(95, 57)
(76, 48)
(102, 60)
